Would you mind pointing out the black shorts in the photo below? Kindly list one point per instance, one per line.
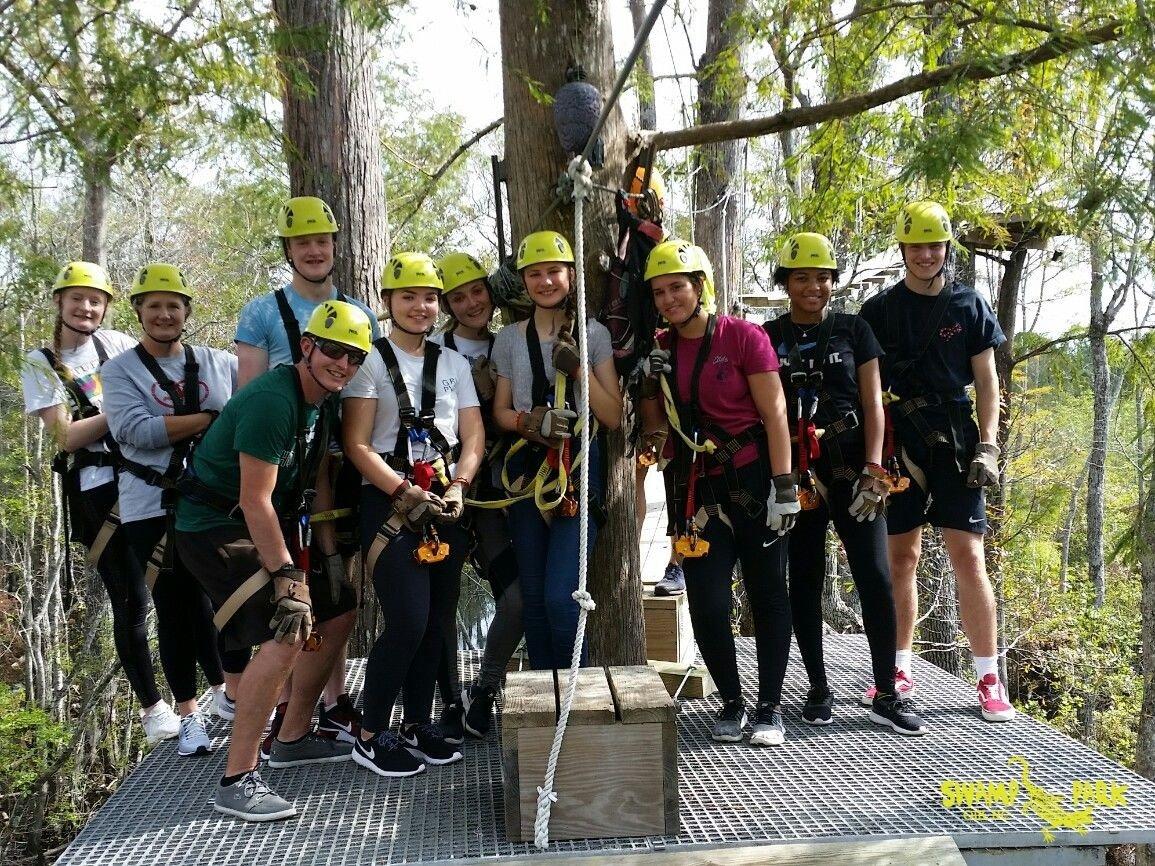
(946, 501)
(222, 559)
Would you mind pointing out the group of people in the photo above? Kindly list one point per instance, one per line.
(235, 488)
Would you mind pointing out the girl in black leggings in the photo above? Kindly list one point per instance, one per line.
(829, 367)
(728, 482)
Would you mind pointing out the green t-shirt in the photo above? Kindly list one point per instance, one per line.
(265, 419)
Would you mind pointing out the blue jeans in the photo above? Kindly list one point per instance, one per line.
(547, 563)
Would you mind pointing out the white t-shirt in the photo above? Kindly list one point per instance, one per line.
(43, 388)
(455, 391)
(471, 349)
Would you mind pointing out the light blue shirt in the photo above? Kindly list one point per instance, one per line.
(260, 323)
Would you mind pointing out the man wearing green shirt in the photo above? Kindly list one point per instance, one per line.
(258, 472)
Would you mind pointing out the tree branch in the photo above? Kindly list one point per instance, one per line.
(1043, 348)
(967, 70)
(445, 166)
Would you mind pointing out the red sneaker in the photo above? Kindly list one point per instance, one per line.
(903, 687)
(342, 723)
(993, 700)
(274, 729)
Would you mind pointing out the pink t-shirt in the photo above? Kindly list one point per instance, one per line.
(737, 350)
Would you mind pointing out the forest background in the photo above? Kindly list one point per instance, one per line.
(134, 131)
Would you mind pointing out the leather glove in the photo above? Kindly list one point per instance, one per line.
(293, 619)
(333, 567)
(984, 470)
(782, 504)
(454, 499)
(565, 354)
(484, 381)
(654, 366)
(549, 423)
(416, 506)
(870, 491)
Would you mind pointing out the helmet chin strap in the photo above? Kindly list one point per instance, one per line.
(76, 330)
(309, 367)
(296, 270)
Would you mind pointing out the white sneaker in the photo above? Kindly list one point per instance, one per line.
(194, 740)
(223, 708)
(160, 723)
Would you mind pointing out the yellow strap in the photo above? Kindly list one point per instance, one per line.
(240, 595)
(331, 514)
(708, 446)
(104, 536)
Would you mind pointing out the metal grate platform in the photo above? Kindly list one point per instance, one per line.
(849, 781)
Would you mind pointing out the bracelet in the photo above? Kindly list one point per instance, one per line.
(874, 470)
(286, 568)
(518, 428)
(462, 480)
(401, 488)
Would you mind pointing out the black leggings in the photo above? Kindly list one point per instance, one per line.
(124, 581)
(419, 613)
(865, 545)
(185, 633)
(709, 582)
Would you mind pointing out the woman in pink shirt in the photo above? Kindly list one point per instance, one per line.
(730, 493)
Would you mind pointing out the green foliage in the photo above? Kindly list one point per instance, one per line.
(29, 741)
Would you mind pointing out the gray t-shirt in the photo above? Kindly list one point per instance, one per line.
(511, 359)
(136, 405)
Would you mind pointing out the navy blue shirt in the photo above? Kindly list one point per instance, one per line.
(899, 317)
(851, 344)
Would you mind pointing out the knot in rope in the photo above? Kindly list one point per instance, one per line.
(542, 793)
(582, 175)
(584, 599)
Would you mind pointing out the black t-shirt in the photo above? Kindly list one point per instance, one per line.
(851, 345)
(899, 317)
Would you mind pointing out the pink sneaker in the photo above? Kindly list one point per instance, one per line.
(903, 684)
(993, 700)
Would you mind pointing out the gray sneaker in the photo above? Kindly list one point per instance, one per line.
(310, 749)
(769, 729)
(193, 739)
(250, 799)
(673, 582)
(731, 720)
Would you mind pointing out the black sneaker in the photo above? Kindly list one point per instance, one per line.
(898, 713)
(478, 702)
(274, 729)
(449, 725)
(731, 720)
(425, 742)
(768, 729)
(386, 755)
(342, 722)
(819, 706)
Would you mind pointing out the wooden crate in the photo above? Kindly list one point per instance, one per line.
(669, 634)
(693, 680)
(617, 774)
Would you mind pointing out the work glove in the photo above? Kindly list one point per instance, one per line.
(782, 505)
(984, 470)
(654, 366)
(293, 619)
(870, 491)
(333, 567)
(548, 423)
(565, 354)
(484, 378)
(416, 506)
(454, 503)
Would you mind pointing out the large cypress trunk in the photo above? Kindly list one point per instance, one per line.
(538, 42)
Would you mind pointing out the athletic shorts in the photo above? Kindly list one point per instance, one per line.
(945, 501)
(222, 559)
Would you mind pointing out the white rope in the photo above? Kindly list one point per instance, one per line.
(581, 173)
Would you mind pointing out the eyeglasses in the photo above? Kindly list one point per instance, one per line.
(337, 351)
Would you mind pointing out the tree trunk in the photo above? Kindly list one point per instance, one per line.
(538, 50)
(1097, 460)
(332, 146)
(721, 86)
(644, 72)
(97, 175)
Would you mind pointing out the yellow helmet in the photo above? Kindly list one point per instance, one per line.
(675, 257)
(807, 250)
(545, 246)
(709, 304)
(343, 323)
(305, 215)
(657, 184)
(159, 277)
(923, 222)
(84, 275)
(457, 269)
(411, 271)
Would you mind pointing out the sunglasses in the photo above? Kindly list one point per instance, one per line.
(337, 351)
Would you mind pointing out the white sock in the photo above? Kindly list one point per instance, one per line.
(986, 665)
(902, 660)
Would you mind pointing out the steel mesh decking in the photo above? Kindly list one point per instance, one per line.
(849, 780)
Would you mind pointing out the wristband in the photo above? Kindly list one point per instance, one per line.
(518, 428)
(401, 488)
(875, 471)
(462, 480)
(287, 568)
